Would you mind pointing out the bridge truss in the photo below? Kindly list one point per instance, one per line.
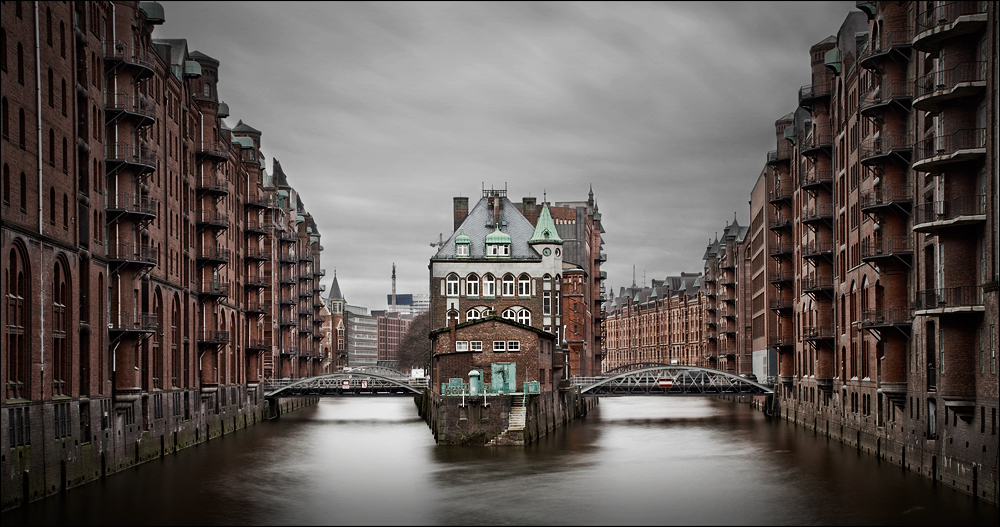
(671, 380)
(357, 382)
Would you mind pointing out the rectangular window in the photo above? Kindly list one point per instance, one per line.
(513, 345)
(489, 287)
(462, 345)
(472, 288)
(476, 345)
(499, 345)
(546, 303)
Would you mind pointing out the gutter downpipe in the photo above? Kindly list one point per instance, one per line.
(41, 224)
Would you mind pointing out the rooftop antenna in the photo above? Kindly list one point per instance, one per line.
(393, 287)
(633, 275)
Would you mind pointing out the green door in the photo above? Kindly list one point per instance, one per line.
(504, 376)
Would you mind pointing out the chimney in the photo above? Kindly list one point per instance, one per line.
(530, 209)
(461, 211)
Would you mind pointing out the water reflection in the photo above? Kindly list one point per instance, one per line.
(632, 460)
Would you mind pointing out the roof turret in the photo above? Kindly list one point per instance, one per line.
(545, 229)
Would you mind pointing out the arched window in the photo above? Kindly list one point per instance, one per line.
(473, 314)
(5, 116)
(472, 285)
(17, 280)
(20, 64)
(489, 286)
(20, 128)
(24, 193)
(451, 285)
(6, 184)
(52, 90)
(508, 285)
(63, 96)
(52, 205)
(3, 49)
(524, 317)
(61, 355)
(65, 155)
(52, 147)
(524, 285)
(175, 338)
(62, 39)
(65, 216)
(509, 314)
(48, 26)
(207, 89)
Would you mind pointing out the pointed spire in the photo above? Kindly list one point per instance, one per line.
(545, 228)
(335, 294)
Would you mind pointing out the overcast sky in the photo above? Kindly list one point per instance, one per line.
(381, 113)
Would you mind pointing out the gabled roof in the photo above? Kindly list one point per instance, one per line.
(243, 127)
(480, 223)
(492, 318)
(279, 175)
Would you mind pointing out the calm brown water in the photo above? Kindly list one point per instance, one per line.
(631, 461)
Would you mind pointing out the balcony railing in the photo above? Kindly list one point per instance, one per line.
(780, 341)
(141, 109)
(781, 154)
(121, 153)
(889, 317)
(817, 248)
(875, 149)
(886, 247)
(780, 276)
(255, 253)
(937, 22)
(257, 282)
(257, 307)
(213, 218)
(216, 185)
(821, 138)
(896, 39)
(213, 149)
(933, 89)
(144, 254)
(817, 177)
(213, 288)
(935, 153)
(962, 210)
(949, 297)
(213, 254)
(780, 194)
(817, 213)
(812, 284)
(780, 249)
(886, 196)
(120, 51)
(818, 332)
(884, 94)
(257, 228)
(781, 305)
(810, 93)
(132, 322)
(261, 202)
(124, 203)
(258, 344)
(213, 337)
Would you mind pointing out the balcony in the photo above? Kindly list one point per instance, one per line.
(258, 345)
(887, 318)
(895, 95)
(214, 186)
(880, 198)
(781, 306)
(810, 94)
(897, 247)
(780, 341)
(125, 205)
(257, 254)
(319, 272)
(818, 249)
(815, 284)
(140, 323)
(213, 289)
(142, 255)
(257, 308)
(780, 194)
(780, 249)
(140, 111)
(125, 155)
(818, 333)
(783, 154)
(256, 228)
(213, 150)
(305, 329)
(212, 219)
(288, 301)
(287, 259)
(288, 280)
(958, 212)
(120, 54)
(938, 88)
(286, 320)
(213, 338)
(780, 222)
(817, 214)
(877, 149)
(939, 153)
(257, 282)
(288, 236)
(936, 24)
(212, 255)
(897, 41)
(781, 277)
(816, 178)
(963, 299)
(260, 202)
(289, 350)
(820, 139)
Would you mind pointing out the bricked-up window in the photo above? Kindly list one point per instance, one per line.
(19, 428)
(461, 345)
(16, 283)
(499, 345)
(62, 421)
(513, 345)
(451, 285)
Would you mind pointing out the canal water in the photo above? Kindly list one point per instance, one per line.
(639, 460)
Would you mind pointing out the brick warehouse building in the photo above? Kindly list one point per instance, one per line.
(870, 266)
(154, 272)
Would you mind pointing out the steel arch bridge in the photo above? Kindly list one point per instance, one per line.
(365, 382)
(670, 380)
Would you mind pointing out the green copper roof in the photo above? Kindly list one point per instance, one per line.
(462, 238)
(497, 236)
(545, 229)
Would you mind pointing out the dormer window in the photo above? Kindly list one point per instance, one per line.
(462, 249)
(497, 244)
(462, 243)
(498, 249)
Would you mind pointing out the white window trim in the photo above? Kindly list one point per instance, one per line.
(499, 345)
(461, 345)
(513, 345)
(476, 345)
